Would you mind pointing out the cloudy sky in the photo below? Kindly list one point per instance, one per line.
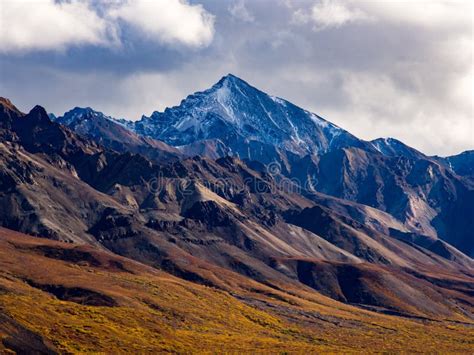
(384, 68)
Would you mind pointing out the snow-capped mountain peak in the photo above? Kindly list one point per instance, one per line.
(239, 115)
(84, 120)
(79, 114)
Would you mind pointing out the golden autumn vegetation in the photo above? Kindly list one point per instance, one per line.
(75, 299)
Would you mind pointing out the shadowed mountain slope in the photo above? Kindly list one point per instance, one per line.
(462, 164)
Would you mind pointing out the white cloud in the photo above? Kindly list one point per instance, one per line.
(168, 21)
(44, 25)
(329, 13)
(439, 14)
(239, 11)
(29, 25)
(426, 13)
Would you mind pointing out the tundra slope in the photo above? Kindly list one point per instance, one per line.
(99, 302)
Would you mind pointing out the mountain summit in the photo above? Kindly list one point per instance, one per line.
(106, 131)
(246, 120)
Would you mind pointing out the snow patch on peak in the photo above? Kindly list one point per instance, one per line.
(321, 122)
(278, 100)
(318, 120)
(186, 123)
(80, 115)
(224, 99)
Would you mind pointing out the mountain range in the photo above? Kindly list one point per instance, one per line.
(235, 119)
(242, 200)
